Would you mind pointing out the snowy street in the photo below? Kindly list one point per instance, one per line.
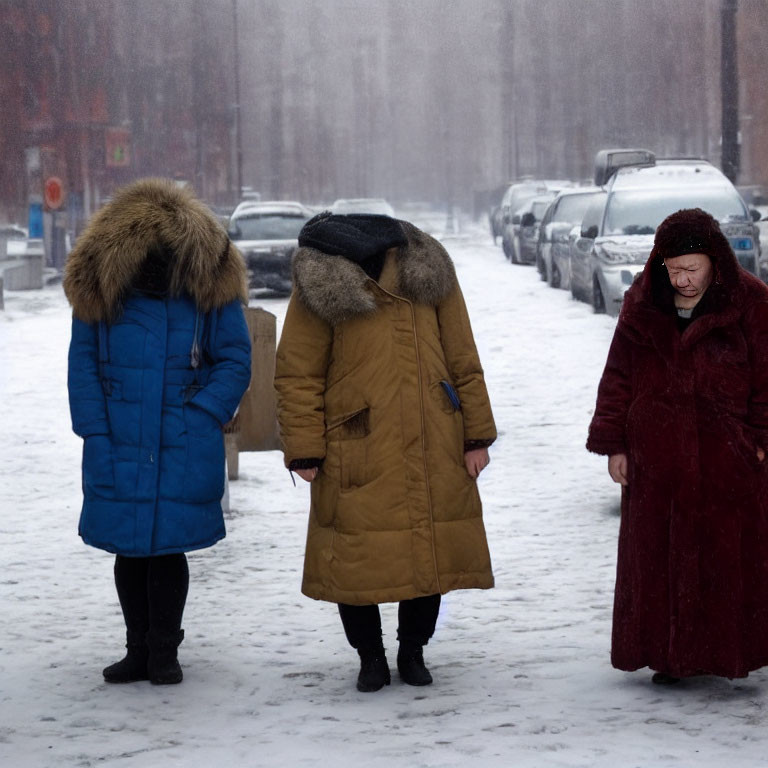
(522, 672)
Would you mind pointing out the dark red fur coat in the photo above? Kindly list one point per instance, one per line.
(690, 410)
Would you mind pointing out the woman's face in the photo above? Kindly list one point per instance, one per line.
(690, 274)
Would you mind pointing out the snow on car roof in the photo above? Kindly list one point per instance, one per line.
(267, 209)
(669, 174)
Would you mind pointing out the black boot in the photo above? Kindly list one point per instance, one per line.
(168, 582)
(131, 584)
(410, 665)
(374, 670)
(163, 666)
(134, 666)
(662, 678)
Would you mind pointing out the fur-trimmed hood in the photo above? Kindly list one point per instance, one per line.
(648, 310)
(336, 289)
(148, 216)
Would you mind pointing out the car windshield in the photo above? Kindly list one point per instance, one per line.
(639, 212)
(267, 226)
(573, 207)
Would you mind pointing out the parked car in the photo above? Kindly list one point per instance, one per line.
(495, 215)
(15, 239)
(756, 197)
(363, 205)
(553, 251)
(494, 219)
(526, 235)
(516, 196)
(267, 236)
(249, 204)
(617, 232)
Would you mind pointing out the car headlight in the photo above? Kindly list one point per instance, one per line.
(610, 256)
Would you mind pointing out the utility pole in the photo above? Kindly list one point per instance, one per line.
(729, 88)
(238, 135)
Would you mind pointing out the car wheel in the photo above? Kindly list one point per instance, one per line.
(598, 300)
(513, 255)
(554, 276)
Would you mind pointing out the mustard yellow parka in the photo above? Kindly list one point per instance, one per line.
(394, 514)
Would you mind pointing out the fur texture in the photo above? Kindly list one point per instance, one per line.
(152, 215)
(334, 288)
(690, 411)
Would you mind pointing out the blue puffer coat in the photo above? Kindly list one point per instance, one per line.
(153, 457)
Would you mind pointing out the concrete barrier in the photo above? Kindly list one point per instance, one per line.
(255, 426)
(24, 271)
(258, 408)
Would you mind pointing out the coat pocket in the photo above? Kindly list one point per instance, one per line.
(445, 395)
(350, 426)
(350, 432)
(204, 467)
(98, 467)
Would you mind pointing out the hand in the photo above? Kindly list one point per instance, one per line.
(617, 468)
(307, 474)
(760, 454)
(476, 461)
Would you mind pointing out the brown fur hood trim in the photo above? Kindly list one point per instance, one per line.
(146, 216)
(335, 288)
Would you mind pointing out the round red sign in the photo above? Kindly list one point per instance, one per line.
(53, 193)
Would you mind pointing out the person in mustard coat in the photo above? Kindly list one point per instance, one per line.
(383, 407)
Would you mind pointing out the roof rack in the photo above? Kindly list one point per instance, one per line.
(608, 161)
(673, 158)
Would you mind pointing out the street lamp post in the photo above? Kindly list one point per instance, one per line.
(729, 88)
(238, 135)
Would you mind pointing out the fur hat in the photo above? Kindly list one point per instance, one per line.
(690, 230)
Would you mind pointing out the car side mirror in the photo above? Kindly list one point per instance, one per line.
(755, 214)
(528, 220)
(590, 232)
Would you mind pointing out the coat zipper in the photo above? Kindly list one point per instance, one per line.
(424, 445)
(423, 430)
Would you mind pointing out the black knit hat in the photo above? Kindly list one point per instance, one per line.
(356, 236)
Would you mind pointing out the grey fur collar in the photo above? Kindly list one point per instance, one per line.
(145, 215)
(336, 289)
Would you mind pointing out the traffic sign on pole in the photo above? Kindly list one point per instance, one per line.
(53, 193)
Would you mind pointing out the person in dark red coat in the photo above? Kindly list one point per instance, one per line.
(682, 414)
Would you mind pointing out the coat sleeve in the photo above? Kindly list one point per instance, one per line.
(465, 369)
(756, 333)
(303, 355)
(229, 350)
(608, 432)
(87, 403)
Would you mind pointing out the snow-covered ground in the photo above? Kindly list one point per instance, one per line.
(522, 672)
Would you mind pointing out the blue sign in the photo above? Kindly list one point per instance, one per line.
(36, 220)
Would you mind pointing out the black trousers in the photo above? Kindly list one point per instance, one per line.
(416, 622)
(152, 593)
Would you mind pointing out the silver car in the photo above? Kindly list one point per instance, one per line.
(553, 252)
(516, 195)
(267, 234)
(617, 232)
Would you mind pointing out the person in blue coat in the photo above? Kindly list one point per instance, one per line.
(159, 359)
